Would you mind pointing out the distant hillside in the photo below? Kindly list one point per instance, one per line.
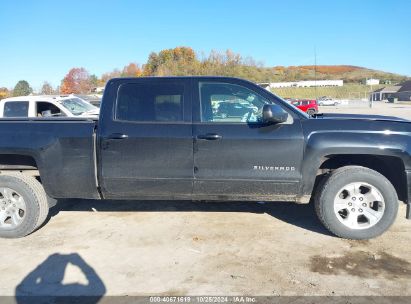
(348, 73)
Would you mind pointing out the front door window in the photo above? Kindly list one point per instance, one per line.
(228, 103)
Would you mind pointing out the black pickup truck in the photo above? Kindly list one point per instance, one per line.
(165, 139)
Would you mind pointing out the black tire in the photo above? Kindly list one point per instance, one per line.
(35, 199)
(330, 186)
(311, 112)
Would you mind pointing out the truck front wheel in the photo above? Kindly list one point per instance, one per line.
(23, 205)
(356, 203)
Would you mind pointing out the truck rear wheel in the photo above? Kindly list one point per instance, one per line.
(356, 203)
(23, 205)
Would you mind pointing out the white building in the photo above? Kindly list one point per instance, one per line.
(372, 81)
(306, 83)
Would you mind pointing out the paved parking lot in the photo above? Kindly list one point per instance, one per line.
(193, 248)
(378, 108)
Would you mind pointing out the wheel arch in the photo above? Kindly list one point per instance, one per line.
(392, 167)
(26, 164)
(17, 162)
(327, 150)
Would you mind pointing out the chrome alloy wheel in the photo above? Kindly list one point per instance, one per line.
(12, 208)
(359, 205)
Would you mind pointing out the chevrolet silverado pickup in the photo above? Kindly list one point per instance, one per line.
(162, 139)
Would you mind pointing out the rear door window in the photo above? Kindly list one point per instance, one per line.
(16, 109)
(150, 102)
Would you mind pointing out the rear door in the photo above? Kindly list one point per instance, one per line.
(146, 139)
(238, 157)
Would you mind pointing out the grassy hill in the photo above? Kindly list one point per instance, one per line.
(182, 61)
(349, 73)
(354, 80)
(348, 91)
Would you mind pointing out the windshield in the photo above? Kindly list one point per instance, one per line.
(77, 106)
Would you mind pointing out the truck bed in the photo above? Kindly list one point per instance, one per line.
(61, 148)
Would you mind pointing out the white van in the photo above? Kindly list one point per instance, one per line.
(47, 106)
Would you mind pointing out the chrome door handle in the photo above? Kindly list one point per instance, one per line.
(209, 136)
(117, 136)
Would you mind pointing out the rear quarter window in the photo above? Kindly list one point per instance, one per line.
(16, 109)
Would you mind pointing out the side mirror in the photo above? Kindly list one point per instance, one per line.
(274, 114)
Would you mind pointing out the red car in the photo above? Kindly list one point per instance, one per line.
(309, 106)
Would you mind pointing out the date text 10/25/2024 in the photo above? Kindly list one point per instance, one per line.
(203, 299)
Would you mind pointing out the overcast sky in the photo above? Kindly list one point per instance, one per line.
(41, 40)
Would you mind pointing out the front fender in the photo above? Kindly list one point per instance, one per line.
(320, 145)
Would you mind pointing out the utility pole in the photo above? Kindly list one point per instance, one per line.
(372, 96)
(315, 71)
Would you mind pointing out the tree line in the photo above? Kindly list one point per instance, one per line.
(183, 61)
(179, 61)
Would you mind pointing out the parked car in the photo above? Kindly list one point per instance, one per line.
(327, 101)
(94, 99)
(306, 105)
(158, 138)
(46, 106)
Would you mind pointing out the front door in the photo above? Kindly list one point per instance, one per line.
(146, 146)
(235, 156)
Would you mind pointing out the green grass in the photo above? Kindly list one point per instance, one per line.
(348, 91)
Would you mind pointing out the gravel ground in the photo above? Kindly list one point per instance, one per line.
(180, 248)
(190, 248)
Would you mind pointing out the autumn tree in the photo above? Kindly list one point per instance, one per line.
(22, 88)
(46, 88)
(107, 76)
(177, 61)
(132, 70)
(181, 61)
(4, 93)
(94, 81)
(152, 64)
(77, 81)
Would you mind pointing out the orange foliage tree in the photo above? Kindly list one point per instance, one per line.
(4, 92)
(107, 76)
(77, 81)
(177, 61)
(132, 70)
(331, 69)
